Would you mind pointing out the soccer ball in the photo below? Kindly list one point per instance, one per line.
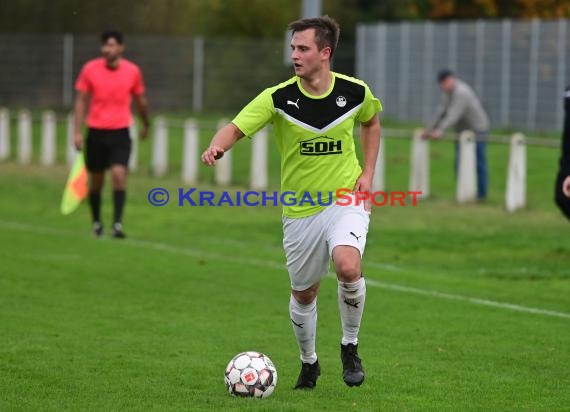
(251, 374)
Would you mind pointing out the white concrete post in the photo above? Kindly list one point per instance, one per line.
(160, 148)
(419, 166)
(70, 147)
(24, 136)
(48, 146)
(134, 157)
(379, 180)
(467, 176)
(223, 170)
(515, 196)
(258, 170)
(4, 133)
(190, 157)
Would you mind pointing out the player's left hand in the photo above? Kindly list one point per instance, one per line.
(364, 184)
(566, 186)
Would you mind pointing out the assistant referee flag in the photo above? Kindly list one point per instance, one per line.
(76, 186)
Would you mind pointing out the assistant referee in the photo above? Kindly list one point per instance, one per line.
(106, 85)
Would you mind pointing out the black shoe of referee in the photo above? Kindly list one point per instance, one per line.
(118, 232)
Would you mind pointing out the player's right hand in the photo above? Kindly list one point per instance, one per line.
(211, 154)
(78, 140)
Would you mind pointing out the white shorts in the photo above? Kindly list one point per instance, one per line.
(309, 241)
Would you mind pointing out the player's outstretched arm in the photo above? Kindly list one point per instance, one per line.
(222, 141)
(370, 139)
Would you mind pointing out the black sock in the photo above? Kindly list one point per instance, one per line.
(119, 202)
(95, 203)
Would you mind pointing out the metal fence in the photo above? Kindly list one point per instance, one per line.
(518, 68)
(40, 70)
(181, 73)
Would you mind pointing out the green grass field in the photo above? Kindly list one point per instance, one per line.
(467, 306)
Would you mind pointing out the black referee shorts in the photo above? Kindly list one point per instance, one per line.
(105, 148)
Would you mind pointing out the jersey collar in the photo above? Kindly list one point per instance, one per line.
(322, 96)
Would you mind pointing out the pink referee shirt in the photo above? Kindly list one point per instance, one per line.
(111, 91)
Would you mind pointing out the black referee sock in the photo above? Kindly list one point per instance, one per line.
(95, 203)
(119, 202)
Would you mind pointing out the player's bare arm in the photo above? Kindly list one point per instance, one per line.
(370, 139)
(222, 141)
(141, 105)
(81, 102)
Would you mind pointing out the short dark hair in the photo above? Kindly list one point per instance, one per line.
(444, 74)
(327, 30)
(112, 34)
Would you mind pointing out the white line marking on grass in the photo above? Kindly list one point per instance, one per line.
(478, 301)
(33, 228)
(384, 266)
(206, 255)
(164, 247)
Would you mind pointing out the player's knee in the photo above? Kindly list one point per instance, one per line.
(348, 270)
(304, 297)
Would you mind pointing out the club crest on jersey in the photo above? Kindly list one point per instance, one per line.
(341, 101)
(320, 146)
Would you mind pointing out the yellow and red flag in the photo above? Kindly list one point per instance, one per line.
(76, 187)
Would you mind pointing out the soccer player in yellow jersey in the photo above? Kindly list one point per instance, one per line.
(313, 116)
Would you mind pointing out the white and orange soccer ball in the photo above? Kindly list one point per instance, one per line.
(251, 374)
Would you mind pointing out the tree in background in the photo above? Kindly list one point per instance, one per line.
(469, 9)
(247, 18)
(252, 18)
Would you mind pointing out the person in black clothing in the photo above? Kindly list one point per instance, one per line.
(562, 189)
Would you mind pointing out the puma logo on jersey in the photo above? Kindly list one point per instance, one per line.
(292, 103)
